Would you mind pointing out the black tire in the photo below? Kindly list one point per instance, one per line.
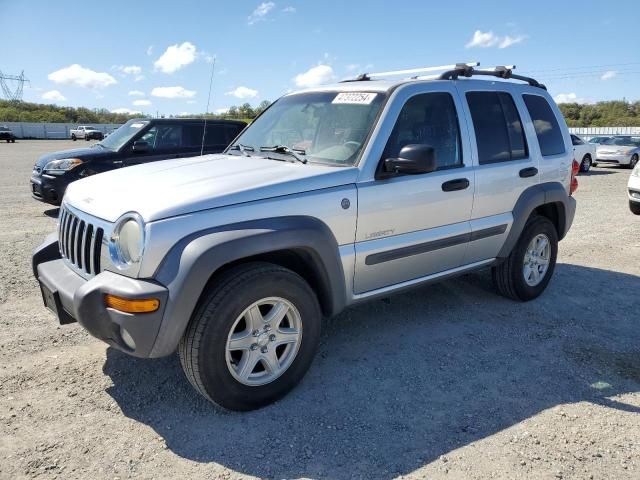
(634, 207)
(508, 277)
(13, 140)
(73, 137)
(585, 164)
(594, 164)
(634, 161)
(202, 349)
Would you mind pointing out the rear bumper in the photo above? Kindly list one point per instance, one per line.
(82, 300)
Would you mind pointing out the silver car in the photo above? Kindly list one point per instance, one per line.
(619, 150)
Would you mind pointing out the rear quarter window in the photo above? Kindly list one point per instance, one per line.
(546, 125)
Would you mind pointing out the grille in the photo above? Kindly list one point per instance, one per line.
(80, 242)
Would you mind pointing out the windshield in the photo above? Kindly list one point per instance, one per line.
(623, 141)
(325, 127)
(123, 134)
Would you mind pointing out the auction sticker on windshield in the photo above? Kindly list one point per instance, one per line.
(137, 125)
(360, 98)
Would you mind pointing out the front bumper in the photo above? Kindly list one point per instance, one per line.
(620, 159)
(633, 189)
(49, 188)
(77, 299)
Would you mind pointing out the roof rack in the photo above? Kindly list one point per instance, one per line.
(452, 72)
(501, 71)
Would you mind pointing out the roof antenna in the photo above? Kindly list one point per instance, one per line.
(204, 130)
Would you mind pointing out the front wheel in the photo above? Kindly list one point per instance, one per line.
(252, 338)
(634, 161)
(73, 137)
(526, 272)
(585, 165)
(634, 207)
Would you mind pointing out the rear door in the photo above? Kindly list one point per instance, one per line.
(506, 165)
(219, 136)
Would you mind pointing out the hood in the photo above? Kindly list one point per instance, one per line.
(175, 187)
(81, 153)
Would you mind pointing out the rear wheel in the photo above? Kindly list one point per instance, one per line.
(526, 272)
(634, 160)
(585, 165)
(73, 137)
(634, 207)
(253, 337)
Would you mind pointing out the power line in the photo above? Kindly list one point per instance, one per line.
(13, 95)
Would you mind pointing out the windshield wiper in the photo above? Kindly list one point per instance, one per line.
(287, 151)
(243, 149)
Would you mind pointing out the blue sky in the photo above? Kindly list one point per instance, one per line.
(155, 56)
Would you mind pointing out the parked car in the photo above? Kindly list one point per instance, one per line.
(7, 134)
(620, 150)
(331, 197)
(634, 190)
(598, 140)
(88, 133)
(583, 152)
(137, 141)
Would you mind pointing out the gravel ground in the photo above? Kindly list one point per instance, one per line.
(447, 381)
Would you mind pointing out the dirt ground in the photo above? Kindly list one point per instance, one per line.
(447, 381)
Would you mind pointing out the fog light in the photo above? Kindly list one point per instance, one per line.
(127, 338)
(126, 305)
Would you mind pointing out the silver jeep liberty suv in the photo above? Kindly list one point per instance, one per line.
(333, 196)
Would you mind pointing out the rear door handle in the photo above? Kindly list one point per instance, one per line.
(528, 172)
(457, 184)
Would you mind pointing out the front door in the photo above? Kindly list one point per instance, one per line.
(411, 226)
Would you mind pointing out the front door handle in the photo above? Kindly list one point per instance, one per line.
(528, 172)
(457, 184)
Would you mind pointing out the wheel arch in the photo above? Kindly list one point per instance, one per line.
(305, 245)
(546, 199)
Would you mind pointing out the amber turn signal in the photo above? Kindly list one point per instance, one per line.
(126, 305)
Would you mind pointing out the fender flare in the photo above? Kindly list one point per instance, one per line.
(191, 263)
(532, 198)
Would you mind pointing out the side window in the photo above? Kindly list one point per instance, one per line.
(428, 119)
(192, 136)
(576, 140)
(163, 137)
(547, 128)
(216, 136)
(498, 128)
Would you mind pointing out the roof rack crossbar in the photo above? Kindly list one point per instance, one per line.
(501, 71)
(394, 73)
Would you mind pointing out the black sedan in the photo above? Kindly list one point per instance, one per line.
(135, 142)
(7, 134)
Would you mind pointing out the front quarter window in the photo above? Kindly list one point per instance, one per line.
(327, 127)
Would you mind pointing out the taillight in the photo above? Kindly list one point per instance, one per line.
(575, 168)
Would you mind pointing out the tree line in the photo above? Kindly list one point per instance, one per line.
(602, 114)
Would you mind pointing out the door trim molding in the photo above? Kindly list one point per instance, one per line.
(430, 246)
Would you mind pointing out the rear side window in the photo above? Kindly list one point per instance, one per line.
(497, 125)
(547, 128)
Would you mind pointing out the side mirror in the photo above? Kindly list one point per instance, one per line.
(140, 146)
(412, 160)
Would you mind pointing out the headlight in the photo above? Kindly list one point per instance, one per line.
(58, 167)
(127, 241)
(636, 170)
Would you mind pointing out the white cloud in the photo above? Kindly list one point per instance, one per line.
(571, 98)
(150, 50)
(134, 70)
(314, 76)
(488, 39)
(53, 95)
(221, 111)
(136, 93)
(191, 102)
(243, 92)
(608, 75)
(176, 57)
(289, 9)
(507, 41)
(126, 111)
(83, 77)
(260, 12)
(141, 103)
(172, 92)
